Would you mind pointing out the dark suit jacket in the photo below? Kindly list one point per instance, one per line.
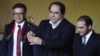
(58, 41)
(6, 48)
(92, 47)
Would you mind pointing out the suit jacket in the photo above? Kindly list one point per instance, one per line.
(92, 47)
(6, 48)
(58, 41)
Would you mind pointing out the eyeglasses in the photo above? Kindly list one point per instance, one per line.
(18, 13)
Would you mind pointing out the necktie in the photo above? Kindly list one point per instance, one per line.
(84, 41)
(19, 35)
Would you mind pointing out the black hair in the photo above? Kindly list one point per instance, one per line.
(87, 19)
(20, 5)
(61, 5)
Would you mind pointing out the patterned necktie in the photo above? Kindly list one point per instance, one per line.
(19, 35)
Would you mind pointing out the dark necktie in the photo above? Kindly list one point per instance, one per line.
(19, 35)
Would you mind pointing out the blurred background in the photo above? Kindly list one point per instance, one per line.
(38, 10)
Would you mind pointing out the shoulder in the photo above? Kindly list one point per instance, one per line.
(77, 35)
(10, 24)
(67, 23)
(95, 34)
(96, 38)
(44, 21)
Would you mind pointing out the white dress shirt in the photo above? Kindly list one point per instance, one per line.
(56, 24)
(15, 38)
(87, 37)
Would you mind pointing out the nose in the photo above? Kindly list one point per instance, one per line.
(53, 15)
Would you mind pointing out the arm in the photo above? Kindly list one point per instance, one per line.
(65, 39)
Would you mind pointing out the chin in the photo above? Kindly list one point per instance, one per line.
(53, 22)
(81, 34)
(18, 21)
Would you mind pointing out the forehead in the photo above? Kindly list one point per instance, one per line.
(18, 10)
(81, 23)
(55, 7)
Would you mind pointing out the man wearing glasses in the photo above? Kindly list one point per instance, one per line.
(14, 41)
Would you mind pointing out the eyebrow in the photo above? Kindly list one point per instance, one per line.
(54, 12)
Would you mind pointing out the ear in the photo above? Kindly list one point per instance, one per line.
(90, 27)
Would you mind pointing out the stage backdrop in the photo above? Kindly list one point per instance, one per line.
(38, 9)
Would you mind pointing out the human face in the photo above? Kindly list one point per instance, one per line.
(55, 13)
(82, 28)
(18, 15)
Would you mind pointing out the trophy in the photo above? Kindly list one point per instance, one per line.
(31, 22)
(30, 19)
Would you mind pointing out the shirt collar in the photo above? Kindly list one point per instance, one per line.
(89, 34)
(21, 24)
(56, 24)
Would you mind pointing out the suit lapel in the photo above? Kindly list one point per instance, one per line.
(80, 42)
(24, 38)
(90, 41)
(24, 30)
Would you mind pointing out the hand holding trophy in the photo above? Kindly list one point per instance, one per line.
(30, 19)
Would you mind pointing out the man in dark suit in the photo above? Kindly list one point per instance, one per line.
(55, 36)
(86, 42)
(9, 44)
